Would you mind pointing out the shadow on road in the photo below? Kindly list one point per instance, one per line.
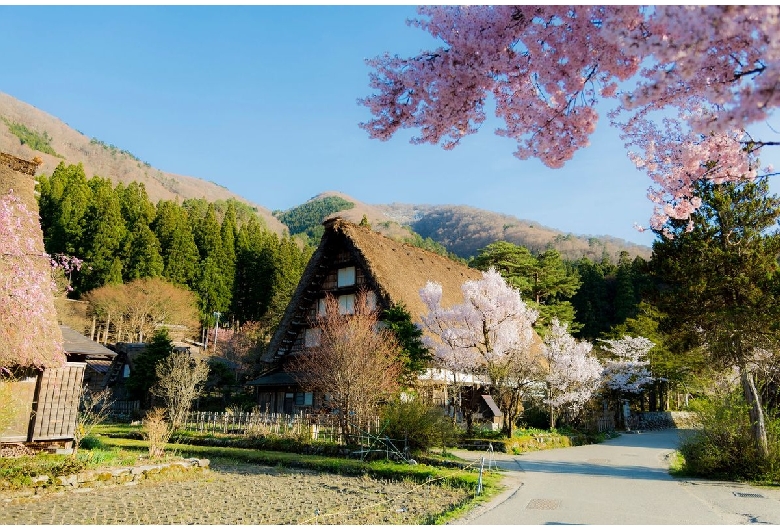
(589, 469)
(666, 439)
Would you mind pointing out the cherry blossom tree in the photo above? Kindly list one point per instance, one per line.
(574, 374)
(627, 370)
(711, 69)
(489, 335)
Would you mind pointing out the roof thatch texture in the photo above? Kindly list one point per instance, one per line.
(397, 269)
(401, 270)
(29, 333)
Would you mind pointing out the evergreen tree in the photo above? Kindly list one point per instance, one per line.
(543, 280)
(67, 204)
(256, 250)
(625, 295)
(177, 244)
(415, 356)
(719, 280)
(143, 375)
(142, 254)
(103, 236)
(290, 262)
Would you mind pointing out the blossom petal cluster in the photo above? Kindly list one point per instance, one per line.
(547, 67)
(628, 369)
(574, 374)
(491, 325)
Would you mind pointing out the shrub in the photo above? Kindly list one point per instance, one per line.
(421, 425)
(723, 448)
(157, 431)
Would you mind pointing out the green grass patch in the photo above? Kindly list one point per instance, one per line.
(677, 464)
(33, 139)
(528, 440)
(18, 472)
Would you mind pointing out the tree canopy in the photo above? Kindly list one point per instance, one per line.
(711, 69)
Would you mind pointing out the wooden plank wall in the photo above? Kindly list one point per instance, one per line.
(57, 403)
(23, 392)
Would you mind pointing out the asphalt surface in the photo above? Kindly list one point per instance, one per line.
(622, 481)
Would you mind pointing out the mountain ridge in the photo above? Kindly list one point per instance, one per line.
(107, 161)
(462, 229)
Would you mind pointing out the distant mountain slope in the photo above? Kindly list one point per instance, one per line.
(464, 230)
(104, 160)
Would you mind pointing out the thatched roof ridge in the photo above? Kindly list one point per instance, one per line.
(400, 270)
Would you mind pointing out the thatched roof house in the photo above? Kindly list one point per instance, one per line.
(351, 258)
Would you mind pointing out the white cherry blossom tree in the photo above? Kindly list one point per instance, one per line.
(489, 335)
(627, 371)
(573, 372)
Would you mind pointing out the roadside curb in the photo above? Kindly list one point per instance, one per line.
(511, 483)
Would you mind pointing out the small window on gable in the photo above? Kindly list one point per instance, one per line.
(311, 338)
(126, 371)
(346, 277)
(347, 304)
(321, 307)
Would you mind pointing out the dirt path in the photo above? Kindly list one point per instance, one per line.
(241, 494)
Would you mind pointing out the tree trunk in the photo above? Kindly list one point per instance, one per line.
(758, 426)
(105, 332)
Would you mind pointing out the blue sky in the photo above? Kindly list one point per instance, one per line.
(263, 100)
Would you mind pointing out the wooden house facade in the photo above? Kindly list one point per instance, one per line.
(348, 260)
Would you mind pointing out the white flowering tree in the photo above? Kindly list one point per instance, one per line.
(489, 335)
(573, 372)
(627, 371)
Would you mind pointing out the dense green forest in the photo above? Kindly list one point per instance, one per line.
(307, 218)
(220, 250)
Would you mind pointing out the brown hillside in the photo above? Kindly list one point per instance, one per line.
(465, 230)
(105, 162)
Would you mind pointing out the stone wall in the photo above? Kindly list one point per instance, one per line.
(648, 421)
(87, 480)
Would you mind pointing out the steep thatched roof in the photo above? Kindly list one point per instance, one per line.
(396, 270)
(401, 270)
(34, 339)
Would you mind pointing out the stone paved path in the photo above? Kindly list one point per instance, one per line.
(239, 494)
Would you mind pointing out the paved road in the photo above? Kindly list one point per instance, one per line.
(622, 481)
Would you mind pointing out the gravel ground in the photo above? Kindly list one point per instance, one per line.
(240, 494)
